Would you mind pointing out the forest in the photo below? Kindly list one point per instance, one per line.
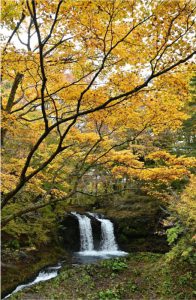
(98, 144)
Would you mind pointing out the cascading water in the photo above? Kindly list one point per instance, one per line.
(108, 246)
(86, 234)
(108, 239)
(44, 275)
(108, 242)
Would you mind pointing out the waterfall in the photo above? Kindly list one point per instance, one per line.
(108, 242)
(107, 247)
(86, 235)
(108, 239)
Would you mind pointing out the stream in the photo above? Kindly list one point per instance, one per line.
(43, 275)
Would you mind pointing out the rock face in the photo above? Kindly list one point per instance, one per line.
(69, 233)
(136, 221)
(96, 228)
(138, 233)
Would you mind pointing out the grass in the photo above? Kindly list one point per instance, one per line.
(139, 276)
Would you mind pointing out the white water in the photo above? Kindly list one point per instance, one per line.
(108, 245)
(49, 273)
(102, 253)
(86, 234)
(108, 242)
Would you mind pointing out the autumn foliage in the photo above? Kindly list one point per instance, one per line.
(87, 89)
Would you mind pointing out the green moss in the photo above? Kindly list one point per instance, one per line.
(123, 239)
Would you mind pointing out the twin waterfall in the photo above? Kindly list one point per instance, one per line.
(108, 246)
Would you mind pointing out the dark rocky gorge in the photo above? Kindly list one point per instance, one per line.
(135, 226)
(133, 233)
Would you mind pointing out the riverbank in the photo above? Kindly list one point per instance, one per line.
(138, 276)
(22, 265)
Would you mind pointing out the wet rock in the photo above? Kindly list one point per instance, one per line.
(69, 233)
(96, 229)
